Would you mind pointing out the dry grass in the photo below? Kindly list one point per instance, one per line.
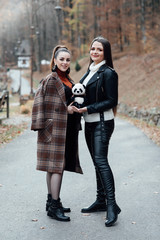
(139, 84)
(14, 127)
(8, 132)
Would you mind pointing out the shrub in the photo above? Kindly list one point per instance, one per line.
(24, 109)
(77, 66)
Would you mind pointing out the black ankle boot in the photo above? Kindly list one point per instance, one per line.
(112, 214)
(48, 203)
(56, 211)
(97, 206)
(66, 210)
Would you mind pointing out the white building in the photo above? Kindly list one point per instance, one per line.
(23, 62)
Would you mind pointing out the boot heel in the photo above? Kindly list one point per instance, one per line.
(112, 214)
(118, 210)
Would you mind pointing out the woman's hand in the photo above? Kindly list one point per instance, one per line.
(82, 110)
(75, 109)
(79, 110)
(71, 109)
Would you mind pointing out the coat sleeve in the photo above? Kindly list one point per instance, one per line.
(109, 93)
(38, 117)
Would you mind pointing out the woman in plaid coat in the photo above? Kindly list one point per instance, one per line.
(58, 126)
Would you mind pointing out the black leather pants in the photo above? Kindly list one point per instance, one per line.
(98, 143)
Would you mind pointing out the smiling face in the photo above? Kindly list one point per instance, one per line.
(97, 52)
(62, 61)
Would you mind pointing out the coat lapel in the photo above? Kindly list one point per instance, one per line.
(95, 77)
(84, 76)
(59, 85)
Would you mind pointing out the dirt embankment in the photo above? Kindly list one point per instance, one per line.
(139, 80)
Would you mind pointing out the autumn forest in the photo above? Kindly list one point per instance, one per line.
(129, 25)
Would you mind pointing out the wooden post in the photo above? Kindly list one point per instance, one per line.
(7, 104)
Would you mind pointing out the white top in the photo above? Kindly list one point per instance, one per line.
(93, 69)
(95, 117)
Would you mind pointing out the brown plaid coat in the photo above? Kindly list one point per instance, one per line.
(49, 118)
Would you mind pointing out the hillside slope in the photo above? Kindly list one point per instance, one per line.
(139, 80)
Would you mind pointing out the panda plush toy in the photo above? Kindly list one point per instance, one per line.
(78, 91)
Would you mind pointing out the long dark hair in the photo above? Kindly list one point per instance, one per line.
(106, 48)
(107, 56)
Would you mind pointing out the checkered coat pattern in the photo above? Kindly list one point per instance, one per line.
(49, 118)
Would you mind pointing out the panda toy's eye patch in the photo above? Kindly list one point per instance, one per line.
(78, 89)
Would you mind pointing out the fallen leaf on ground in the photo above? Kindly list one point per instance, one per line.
(0, 185)
(42, 227)
(34, 220)
(86, 214)
(133, 222)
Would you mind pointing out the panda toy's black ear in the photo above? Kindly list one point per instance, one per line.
(84, 86)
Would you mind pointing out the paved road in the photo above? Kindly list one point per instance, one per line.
(135, 161)
(16, 76)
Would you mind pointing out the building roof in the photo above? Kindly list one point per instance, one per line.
(24, 48)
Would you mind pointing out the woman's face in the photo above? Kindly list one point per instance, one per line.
(97, 52)
(63, 61)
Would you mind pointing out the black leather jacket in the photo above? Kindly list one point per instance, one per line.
(101, 90)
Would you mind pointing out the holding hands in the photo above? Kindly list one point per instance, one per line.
(79, 110)
(72, 109)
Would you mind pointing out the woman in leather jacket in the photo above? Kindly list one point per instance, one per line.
(101, 83)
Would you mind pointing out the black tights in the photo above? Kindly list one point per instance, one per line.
(54, 181)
